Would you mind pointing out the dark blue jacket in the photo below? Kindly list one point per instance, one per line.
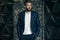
(35, 23)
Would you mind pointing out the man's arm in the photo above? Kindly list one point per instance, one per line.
(38, 25)
(18, 25)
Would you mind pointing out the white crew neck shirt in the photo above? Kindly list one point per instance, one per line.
(27, 26)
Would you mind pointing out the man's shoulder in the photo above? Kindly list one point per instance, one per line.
(21, 12)
(34, 11)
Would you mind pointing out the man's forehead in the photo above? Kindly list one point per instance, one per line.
(28, 3)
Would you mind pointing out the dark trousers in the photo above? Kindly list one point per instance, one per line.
(27, 37)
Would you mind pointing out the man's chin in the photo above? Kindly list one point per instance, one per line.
(28, 10)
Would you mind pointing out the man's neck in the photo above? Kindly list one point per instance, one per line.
(28, 11)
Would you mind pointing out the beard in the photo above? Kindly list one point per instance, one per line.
(28, 9)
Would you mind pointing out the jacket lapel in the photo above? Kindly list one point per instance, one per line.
(31, 21)
(24, 18)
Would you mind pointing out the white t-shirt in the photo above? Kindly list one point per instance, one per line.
(27, 27)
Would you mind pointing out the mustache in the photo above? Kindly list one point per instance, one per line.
(29, 9)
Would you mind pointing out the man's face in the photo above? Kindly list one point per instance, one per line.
(28, 6)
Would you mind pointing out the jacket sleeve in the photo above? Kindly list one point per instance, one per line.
(18, 25)
(37, 25)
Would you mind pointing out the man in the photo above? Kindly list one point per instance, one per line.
(28, 26)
